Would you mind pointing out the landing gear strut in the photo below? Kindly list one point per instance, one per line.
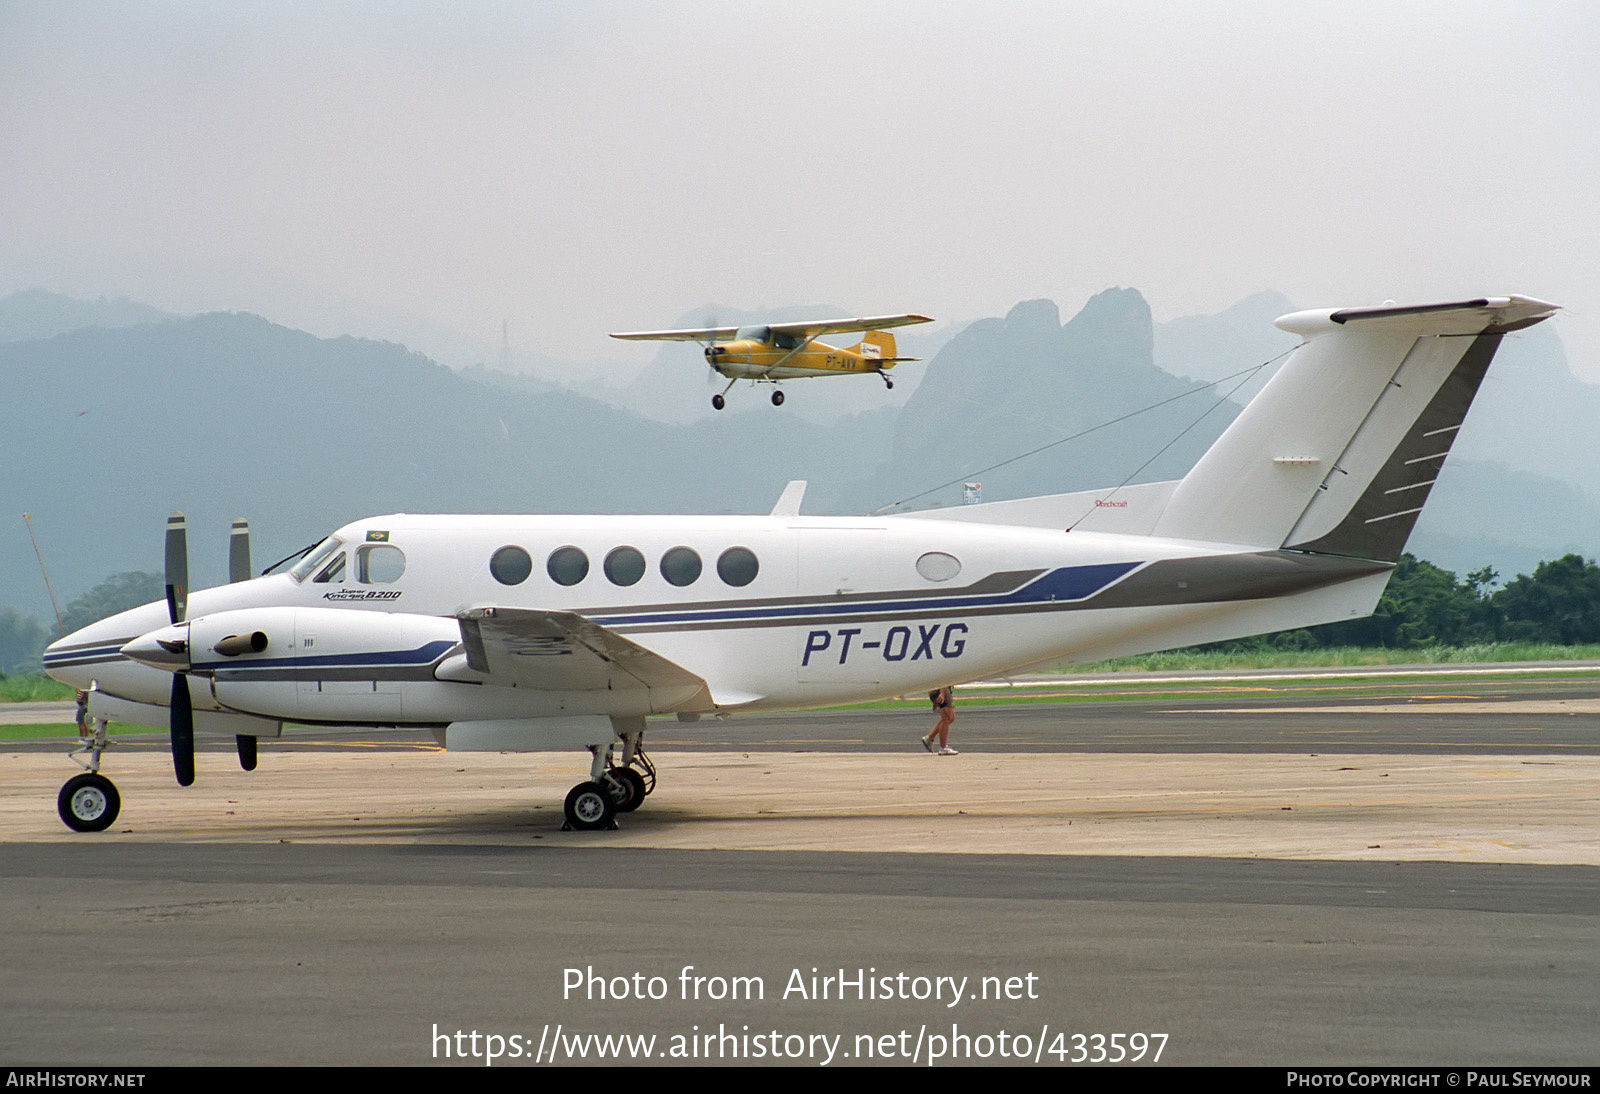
(89, 802)
(612, 788)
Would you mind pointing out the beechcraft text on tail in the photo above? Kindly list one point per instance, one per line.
(790, 351)
(546, 632)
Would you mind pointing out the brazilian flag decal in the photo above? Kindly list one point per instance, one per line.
(377, 537)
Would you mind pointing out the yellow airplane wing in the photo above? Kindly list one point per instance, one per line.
(703, 334)
(806, 331)
(817, 328)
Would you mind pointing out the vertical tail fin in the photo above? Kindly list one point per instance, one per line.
(877, 346)
(1338, 452)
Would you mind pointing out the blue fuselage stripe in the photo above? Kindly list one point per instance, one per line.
(1066, 584)
(422, 655)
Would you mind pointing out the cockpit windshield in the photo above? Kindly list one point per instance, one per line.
(316, 558)
(753, 334)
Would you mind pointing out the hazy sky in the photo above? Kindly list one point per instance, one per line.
(424, 171)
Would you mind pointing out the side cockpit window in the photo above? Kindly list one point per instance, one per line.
(332, 573)
(379, 564)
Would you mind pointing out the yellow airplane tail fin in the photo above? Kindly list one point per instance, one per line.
(879, 346)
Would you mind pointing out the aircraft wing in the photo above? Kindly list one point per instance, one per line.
(814, 328)
(561, 651)
(703, 334)
(818, 327)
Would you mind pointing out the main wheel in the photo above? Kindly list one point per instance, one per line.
(589, 807)
(89, 803)
(718, 402)
(632, 797)
(777, 398)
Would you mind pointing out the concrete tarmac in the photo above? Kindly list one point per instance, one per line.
(1431, 896)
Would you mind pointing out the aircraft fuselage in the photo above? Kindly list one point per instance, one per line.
(770, 612)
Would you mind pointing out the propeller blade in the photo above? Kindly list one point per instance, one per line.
(712, 375)
(177, 568)
(182, 730)
(239, 551)
(247, 751)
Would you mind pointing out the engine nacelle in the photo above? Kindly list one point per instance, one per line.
(317, 664)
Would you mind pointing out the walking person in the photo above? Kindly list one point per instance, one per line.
(944, 704)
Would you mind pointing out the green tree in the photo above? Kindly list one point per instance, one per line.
(1422, 605)
(22, 640)
(117, 593)
(1559, 603)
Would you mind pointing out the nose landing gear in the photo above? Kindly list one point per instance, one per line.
(89, 802)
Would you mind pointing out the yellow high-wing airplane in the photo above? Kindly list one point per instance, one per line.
(789, 351)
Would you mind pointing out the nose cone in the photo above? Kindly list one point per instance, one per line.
(166, 648)
(80, 657)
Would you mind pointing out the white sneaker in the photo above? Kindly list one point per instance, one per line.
(927, 742)
(948, 751)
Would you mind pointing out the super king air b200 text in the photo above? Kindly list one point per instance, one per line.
(544, 632)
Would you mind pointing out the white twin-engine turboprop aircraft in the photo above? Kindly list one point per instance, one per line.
(542, 632)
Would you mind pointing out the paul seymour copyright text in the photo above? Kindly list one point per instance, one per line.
(705, 1037)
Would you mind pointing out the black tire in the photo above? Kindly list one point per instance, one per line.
(889, 384)
(633, 796)
(589, 808)
(777, 398)
(718, 402)
(89, 803)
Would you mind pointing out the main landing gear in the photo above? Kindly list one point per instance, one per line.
(720, 399)
(594, 805)
(89, 802)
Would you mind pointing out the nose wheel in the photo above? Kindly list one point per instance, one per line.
(89, 803)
